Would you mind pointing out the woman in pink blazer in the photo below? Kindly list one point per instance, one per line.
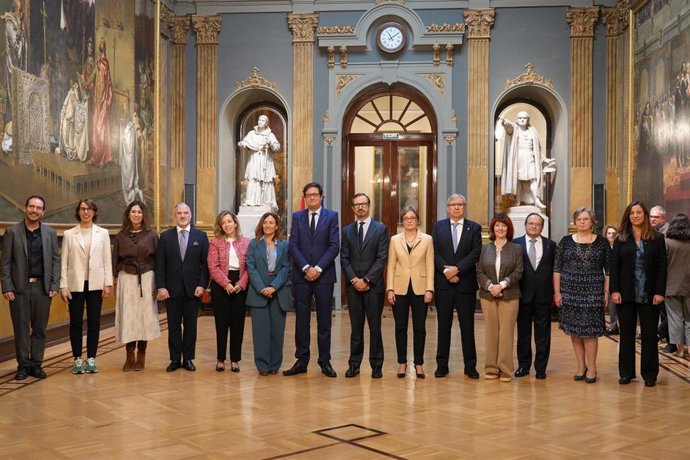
(86, 277)
(227, 256)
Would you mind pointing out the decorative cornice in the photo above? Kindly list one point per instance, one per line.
(207, 29)
(479, 22)
(303, 27)
(335, 30)
(457, 27)
(582, 21)
(180, 28)
(529, 78)
(616, 20)
(255, 81)
(437, 79)
(167, 21)
(342, 81)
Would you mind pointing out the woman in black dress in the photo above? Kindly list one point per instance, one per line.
(580, 284)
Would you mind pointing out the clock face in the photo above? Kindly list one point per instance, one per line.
(391, 38)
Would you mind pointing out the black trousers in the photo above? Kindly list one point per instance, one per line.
(447, 302)
(182, 311)
(649, 320)
(93, 301)
(30, 311)
(365, 305)
(228, 312)
(539, 314)
(401, 313)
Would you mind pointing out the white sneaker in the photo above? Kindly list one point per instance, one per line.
(91, 366)
(78, 367)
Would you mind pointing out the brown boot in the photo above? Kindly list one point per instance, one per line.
(129, 362)
(141, 356)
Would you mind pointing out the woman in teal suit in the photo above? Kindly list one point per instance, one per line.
(269, 294)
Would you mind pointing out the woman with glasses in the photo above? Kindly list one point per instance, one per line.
(410, 286)
(86, 278)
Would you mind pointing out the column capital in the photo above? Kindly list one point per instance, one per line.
(167, 20)
(582, 21)
(207, 29)
(180, 27)
(303, 27)
(615, 19)
(478, 22)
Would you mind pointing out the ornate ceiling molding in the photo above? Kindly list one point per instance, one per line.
(207, 29)
(479, 22)
(335, 30)
(255, 81)
(457, 27)
(529, 78)
(582, 21)
(302, 27)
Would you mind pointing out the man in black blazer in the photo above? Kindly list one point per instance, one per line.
(30, 278)
(314, 245)
(182, 277)
(457, 245)
(536, 297)
(363, 255)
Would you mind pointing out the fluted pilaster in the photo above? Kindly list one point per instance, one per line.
(582, 22)
(207, 29)
(302, 27)
(478, 23)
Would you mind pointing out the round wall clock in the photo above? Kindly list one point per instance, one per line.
(391, 37)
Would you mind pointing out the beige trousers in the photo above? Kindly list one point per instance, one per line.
(500, 318)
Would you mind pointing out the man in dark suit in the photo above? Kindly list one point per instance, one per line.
(457, 245)
(536, 289)
(181, 277)
(363, 256)
(30, 277)
(314, 245)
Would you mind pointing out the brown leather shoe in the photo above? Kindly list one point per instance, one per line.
(140, 364)
(129, 361)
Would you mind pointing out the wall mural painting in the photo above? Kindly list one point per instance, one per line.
(76, 104)
(661, 118)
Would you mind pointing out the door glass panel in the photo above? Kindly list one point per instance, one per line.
(412, 113)
(361, 126)
(420, 126)
(369, 178)
(412, 183)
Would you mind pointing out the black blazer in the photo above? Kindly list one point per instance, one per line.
(14, 270)
(537, 284)
(178, 277)
(465, 257)
(368, 260)
(622, 268)
(320, 249)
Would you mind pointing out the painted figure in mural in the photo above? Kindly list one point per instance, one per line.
(522, 165)
(129, 155)
(260, 172)
(15, 43)
(101, 153)
(74, 132)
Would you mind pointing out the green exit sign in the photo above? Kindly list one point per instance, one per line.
(391, 136)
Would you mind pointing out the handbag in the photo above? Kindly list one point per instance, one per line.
(206, 296)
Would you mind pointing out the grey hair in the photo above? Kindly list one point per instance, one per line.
(586, 209)
(661, 210)
(455, 196)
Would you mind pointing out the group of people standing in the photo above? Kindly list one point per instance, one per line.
(518, 282)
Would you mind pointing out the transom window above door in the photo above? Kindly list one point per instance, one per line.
(390, 114)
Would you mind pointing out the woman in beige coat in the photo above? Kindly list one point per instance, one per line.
(410, 286)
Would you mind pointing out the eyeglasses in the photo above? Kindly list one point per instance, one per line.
(655, 217)
(409, 218)
(312, 195)
(85, 209)
(360, 205)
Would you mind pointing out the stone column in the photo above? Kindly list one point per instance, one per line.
(303, 27)
(206, 29)
(478, 23)
(616, 21)
(582, 22)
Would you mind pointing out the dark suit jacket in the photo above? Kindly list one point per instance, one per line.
(622, 267)
(319, 249)
(14, 267)
(465, 257)
(178, 277)
(537, 284)
(368, 260)
(257, 266)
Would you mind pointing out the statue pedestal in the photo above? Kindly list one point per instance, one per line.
(249, 217)
(518, 214)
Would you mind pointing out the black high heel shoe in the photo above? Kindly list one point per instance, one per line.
(220, 367)
(401, 375)
(577, 378)
(420, 375)
(590, 379)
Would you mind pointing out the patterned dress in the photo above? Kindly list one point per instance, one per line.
(582, 268)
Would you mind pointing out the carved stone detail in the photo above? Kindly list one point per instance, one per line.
(167, 21)
(331, 56)
(457, 27)
(449, 55)
(582, 21)
(329, 139)
(436, 60)
(255, 81)
(342, 81)
(207, 29)
(616, 20)
(453, 116)
(529, 78)
(479, 22)
(450, 138)
(343, 57)
(326, 117)
(335, 30)
(437, 79)
(302, 27)
(180, 28)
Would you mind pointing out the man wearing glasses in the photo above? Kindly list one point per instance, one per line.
(363, 256)
(657, 219)
(314, 245)
(457, 245)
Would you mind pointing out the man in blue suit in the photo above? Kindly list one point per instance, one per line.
(363, 256)
(314, 245)
(457, 245)
(182, 277)
(536, 289)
